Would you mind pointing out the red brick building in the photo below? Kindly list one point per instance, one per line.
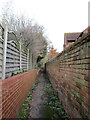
(69, 38)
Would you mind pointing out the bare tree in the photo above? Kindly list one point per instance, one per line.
(32, 34)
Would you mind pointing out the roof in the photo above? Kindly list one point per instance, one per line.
(71, 36)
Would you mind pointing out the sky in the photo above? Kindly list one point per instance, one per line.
(57, 16)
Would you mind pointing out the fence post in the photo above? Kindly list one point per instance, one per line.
(28, 59)
(4, 51)
(89, 14)
(20, 52)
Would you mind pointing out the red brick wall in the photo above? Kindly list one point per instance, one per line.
(14, 92)
(69, 73)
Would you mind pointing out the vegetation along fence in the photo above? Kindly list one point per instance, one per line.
(69, 73)
(13, 55)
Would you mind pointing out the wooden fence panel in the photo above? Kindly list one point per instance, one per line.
(24, 60)
(12, 58)
(1, 56)
(13, 55)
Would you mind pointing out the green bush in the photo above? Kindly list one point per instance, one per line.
(18, 72)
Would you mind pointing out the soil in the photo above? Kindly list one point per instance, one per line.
(37, 109)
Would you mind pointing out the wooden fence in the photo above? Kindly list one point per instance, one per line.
(1, 56)
(13, 52)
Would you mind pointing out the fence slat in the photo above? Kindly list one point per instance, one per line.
(16, 58)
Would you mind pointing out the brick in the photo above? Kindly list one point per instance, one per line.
(12, 97)
(87, 78)
(73, 72)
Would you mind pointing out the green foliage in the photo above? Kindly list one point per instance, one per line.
(24, 112)
(43, 61)
(54, 108)
(24, 70)
(13, 74)
(49, 112)
(33, 86)
(18, 72)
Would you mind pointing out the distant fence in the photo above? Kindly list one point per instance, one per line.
(13, 62)
(69, 74)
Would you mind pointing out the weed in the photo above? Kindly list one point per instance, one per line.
(54, 108)
(24, 112)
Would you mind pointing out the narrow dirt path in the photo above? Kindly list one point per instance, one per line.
(37, 103)
(45, 104)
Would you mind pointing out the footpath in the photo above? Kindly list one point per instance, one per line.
(45, 104)
(37, 109)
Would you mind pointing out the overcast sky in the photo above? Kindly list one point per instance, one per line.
(57, 16)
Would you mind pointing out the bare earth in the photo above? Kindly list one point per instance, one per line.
(38, 100)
